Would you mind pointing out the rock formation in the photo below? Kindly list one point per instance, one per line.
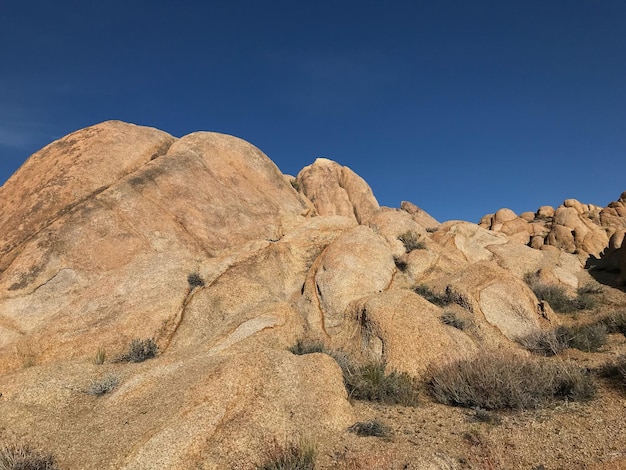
(118, 232)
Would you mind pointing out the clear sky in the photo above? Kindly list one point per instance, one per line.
(461, 107)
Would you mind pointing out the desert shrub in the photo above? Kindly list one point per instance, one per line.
(24, 457)
(411, 241)
(450, 296)
(290, 456)
(194, 280)
(588, 338)
(615, 371)
(545, 342)
(370, 428)
(139, 350)
(400, 263)
(103, 386)
(370, 382)
(304, 346)
(497, 381)
(616, 322)
(555, 296)
(452, 319)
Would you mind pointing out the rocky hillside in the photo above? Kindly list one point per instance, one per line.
(120, 242)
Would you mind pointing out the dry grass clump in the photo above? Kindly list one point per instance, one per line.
(452, 319)
(616, 322)
(24, 457)
(304, 346)
(411, 241)
(557, 298)
(140, 350)
(450, 296)
(589, 338)
(370, 382)
(497, 381)
(289, 456)
(372, 428)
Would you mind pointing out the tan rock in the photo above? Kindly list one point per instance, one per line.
(470, 240)
(545, 212)
(337, 190)
(504, 215)
(527, 216)
(420, 216)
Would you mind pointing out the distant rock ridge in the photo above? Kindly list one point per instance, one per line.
(200, 243)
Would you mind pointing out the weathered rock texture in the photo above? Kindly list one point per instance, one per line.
(119, 231)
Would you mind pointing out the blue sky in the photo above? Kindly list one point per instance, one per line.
(461, 107)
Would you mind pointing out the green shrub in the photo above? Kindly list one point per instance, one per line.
(411, 241)
(24, 457)
(496, 381)
(140, 350)
(103, 386)
(372, 428)
(303, 346)
(370, 382)
(290, 456)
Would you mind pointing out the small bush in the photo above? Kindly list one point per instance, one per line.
(450, 296)
(372, 428)
(452, 319)
(400, 263)
(615, 323)
(290, 456)
(545, 342)
(307, 347)
(558, 299)
(103, 386)
(140, 350)
(411, 241)
(588, 338)
(616, 371)
(24, 457)
(194, 280)
(370, 382)
(495, 381)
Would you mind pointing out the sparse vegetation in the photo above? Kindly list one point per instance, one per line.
(99, 357)
(195, 280)
(615, 371)
(370, 382)
(290, 456)
(24, 457)
(498, 381)
(140, 350)
(557, 298)
(400, 263)
(452, 319)
(411, 241)
(450, 296)
(589, 338)
(103, 386)
(372, 428)
(616, 322)
(304, 346)
(484, 416)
